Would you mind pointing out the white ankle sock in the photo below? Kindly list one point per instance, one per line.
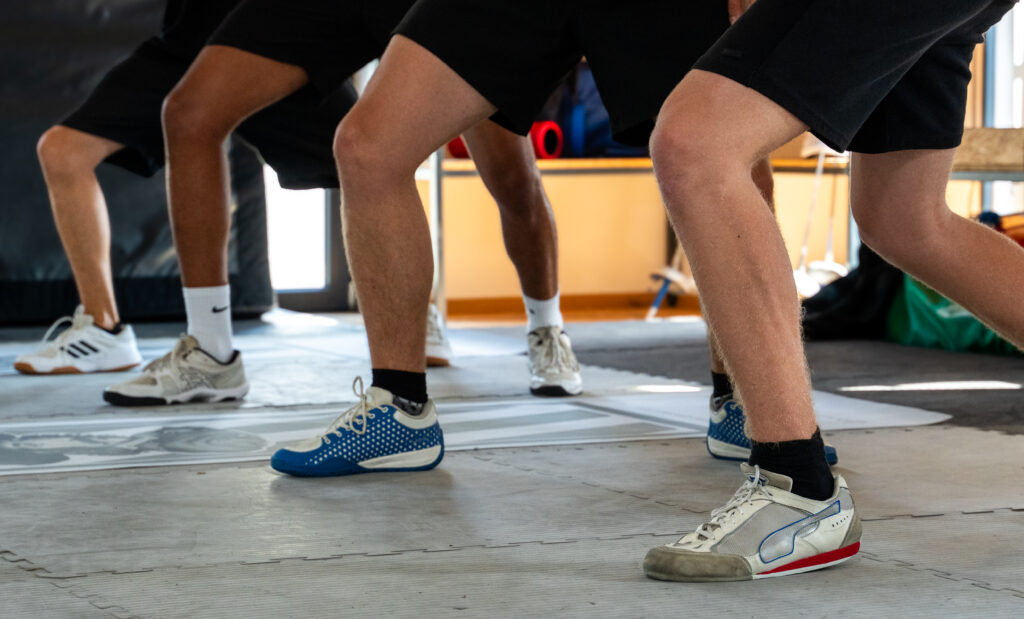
(209, 319)
(543, 313)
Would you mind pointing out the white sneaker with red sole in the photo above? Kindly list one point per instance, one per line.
(764, 530)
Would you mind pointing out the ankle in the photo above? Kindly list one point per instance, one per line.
(410, 386)
(803, 461)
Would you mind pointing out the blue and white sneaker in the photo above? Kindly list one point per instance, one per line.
(372, 436)
(726, 436)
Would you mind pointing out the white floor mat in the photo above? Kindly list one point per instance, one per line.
(299, 384)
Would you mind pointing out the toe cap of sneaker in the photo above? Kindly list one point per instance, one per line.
(304, 464)
(669, 563)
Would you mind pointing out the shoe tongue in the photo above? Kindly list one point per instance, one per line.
(376, 396)
(775, 480)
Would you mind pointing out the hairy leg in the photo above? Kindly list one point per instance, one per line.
(412, 106)
(899, 202)
(710, 134)
(508, 168)
(223, 87)
(762, 177)
(69, 158)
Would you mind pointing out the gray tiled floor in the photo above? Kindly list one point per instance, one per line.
(524, 531)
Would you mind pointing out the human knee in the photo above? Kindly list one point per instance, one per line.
(62, 150)
(190, 118)
(362, 157)
(890, 228)
(686, 162)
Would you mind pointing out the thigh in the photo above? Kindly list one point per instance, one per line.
(899, 186)
(512, 52)
(716, 118)
(231, 84)
(124, 108)
(830, 62)
(496, 151)
(414, 104)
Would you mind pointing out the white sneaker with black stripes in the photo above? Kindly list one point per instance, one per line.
(82, 348)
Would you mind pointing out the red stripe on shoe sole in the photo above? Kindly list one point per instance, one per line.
(822, 559)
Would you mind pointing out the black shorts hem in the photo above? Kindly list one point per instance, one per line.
(299, 183)
(132, 157)
(930, 142)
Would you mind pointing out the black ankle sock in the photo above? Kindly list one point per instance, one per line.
(411, 386)
(119, 327)
(802, 460)
(721, 383)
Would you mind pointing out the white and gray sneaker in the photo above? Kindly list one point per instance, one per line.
(764, 530)
(186, 374)
(554, 370)
(82, 348)
(439, 349)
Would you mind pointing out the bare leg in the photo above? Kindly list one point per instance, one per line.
(223, 87)
(710, 134)
(69, 159)
(413, 105)
(508, 168)
(899, 202)
(762, 176)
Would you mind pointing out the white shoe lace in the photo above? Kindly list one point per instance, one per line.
(753, 487)
(181, 349)
(78, 320)
(354, 419)
(551, 355)
(435, 329)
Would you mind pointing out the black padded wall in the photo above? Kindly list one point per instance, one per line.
(52, 53)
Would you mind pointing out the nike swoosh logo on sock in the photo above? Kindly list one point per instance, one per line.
(217, 310)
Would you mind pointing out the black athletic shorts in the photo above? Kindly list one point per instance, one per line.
(330, 39)
(871, 76)
(294, 136)
(515, 52)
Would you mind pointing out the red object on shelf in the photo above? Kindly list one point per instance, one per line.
(547, 139)
(457, 148)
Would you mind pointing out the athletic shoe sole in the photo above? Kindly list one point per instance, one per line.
(26, 368)
(395, 463)
(726, 451)
(808, 564)
(188, 397)
(553, 391)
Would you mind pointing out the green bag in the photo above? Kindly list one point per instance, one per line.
(919, 316)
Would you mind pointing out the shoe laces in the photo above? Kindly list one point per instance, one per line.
(751, 489)
(550, 352)
(355, 419)
(435, 332)
(78, 320)
(185, 345)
